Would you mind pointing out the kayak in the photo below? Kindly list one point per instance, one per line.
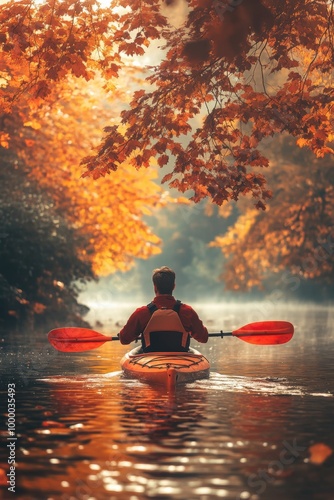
(169, 368)
(166, 368)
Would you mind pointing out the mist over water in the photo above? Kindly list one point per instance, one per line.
(215, 314)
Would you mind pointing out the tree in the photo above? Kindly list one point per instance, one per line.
(112, 210)
(53, 206)
(43, 138)
(236, 72)
(228, 81)
(233, 75)
(40, 265)
(53, 134)
(293, 241)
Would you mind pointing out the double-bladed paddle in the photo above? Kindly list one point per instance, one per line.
(75, 339)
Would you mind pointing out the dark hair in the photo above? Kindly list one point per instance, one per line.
(164, 280)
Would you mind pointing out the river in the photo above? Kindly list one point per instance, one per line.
(259, 428)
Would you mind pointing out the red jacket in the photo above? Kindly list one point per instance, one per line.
(138, 320)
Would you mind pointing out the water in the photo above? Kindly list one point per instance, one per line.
(85, 432)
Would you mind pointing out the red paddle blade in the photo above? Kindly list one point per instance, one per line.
(75, 339)
(266, 332)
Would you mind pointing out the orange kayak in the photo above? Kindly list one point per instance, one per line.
(166, 368)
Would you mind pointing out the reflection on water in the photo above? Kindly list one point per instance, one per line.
(85, 432)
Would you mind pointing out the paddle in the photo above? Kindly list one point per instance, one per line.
(74, 339)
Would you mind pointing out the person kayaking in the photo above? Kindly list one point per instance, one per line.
(166, 324)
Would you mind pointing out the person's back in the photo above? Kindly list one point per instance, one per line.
(164, 330)
(165, 324)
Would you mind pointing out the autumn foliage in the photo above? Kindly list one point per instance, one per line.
(229, 76)
(106, 215)
(228, 82)
(109, 210)
(46, 129)
(293, 240)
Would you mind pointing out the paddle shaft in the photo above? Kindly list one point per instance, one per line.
(85, 340)
(241, 334)
(105, 339)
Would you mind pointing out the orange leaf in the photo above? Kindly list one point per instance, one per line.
(319, 452)
(4, 140)
(52, 423)
(163, 160)
(3, 478)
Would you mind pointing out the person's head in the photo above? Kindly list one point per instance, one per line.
(163, 280)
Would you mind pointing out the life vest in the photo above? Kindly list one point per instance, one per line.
(165, 332)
